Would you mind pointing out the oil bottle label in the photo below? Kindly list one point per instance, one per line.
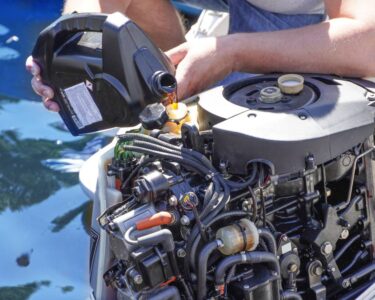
(83, 105)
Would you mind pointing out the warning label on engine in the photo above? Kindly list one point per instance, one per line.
(83, 105)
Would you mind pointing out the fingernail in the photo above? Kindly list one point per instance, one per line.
(52, 106)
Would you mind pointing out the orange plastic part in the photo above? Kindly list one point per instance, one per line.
(172, 279)
(160, 218)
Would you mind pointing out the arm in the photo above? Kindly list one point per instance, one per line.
(344, 45)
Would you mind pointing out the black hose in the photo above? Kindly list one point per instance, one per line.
(346, 246)
(202, 267)
(158, 145)
(192, 163)
(254, 257)
(354, 261)
(135, 171)
(268, 237)
(245, 184)
(289, 295)
(360, 273)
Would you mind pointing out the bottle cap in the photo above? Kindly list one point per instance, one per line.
(291, 84)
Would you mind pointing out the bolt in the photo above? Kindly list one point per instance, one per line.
(331, 269)
(293, 267)
(326, 248)
(185, 220)
(246, 286)
(317, 270)
(138, 279)
(295, 250)
(173, 200)
(345, 284)
(181, 252)
(344, 234)
(302, 116)
(284, 238)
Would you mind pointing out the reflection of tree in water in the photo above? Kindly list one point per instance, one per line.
(22, 292)
(24, 180)
(85, 209)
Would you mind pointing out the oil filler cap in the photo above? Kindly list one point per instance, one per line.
(290, 84)
(153, 116)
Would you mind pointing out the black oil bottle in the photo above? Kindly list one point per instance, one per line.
(103, 68)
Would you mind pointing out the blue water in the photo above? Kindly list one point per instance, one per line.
(44, 216)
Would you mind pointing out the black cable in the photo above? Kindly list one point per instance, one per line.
(346, 246)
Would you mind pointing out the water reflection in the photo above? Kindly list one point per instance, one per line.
(21, 292)
(44, 216)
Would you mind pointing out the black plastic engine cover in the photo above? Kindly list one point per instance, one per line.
(331, 120)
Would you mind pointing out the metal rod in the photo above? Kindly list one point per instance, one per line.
(353, 173)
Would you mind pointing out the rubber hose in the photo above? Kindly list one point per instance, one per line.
(268, 237)
(192, 164)
(254, 257)
(202, 267)
(343, 249)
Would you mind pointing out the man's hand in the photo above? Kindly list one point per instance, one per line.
(41, 89)
(201, 63)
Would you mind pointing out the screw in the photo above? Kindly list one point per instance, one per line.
(173, 200)
(295, 250)
(326, 248)
(293, 267)
(345, 284)
(185, 220)
(344, 234)
(246, 286)
(284, 238)
(138, 279)
(302, 116)
(331, 269)
(181, 252)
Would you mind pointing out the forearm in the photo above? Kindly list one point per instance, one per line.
(104, 6)
(340, 46)
(158, 18)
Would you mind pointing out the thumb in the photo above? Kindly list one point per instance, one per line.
(178, 53)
